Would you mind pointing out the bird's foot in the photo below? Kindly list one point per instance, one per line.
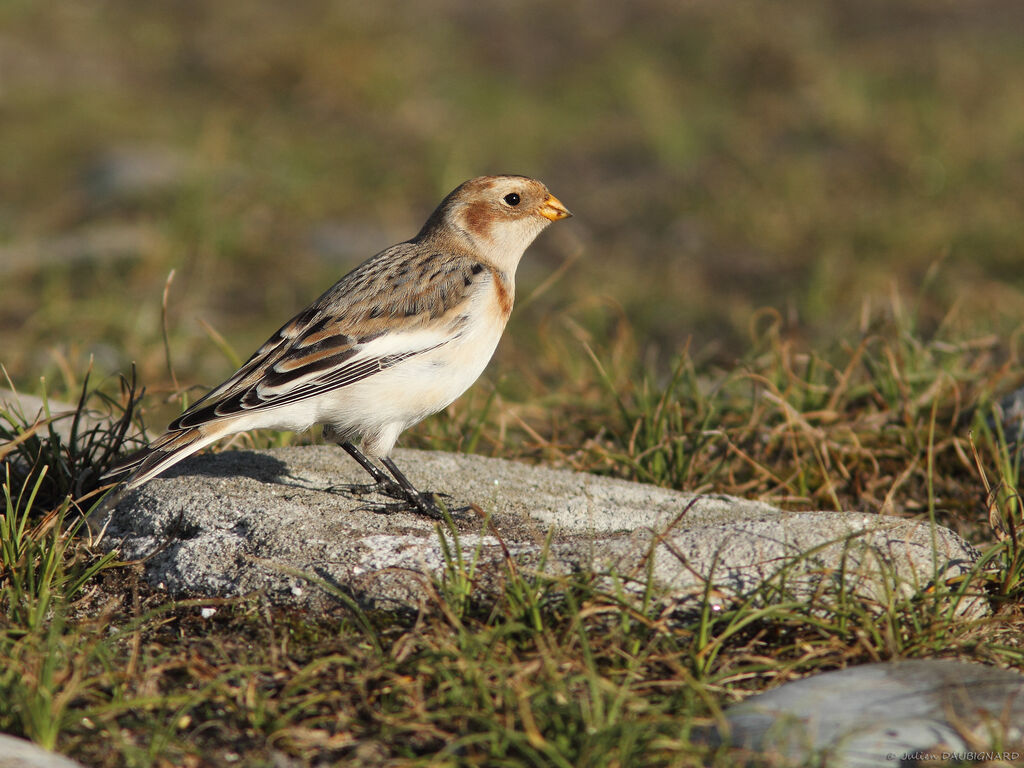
(423, 503)
(384, 488)
(429, 504)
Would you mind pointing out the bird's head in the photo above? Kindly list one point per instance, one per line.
(496, 216)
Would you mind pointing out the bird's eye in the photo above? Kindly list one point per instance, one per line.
(512, 199)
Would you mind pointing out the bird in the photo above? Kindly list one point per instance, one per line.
(395, 340)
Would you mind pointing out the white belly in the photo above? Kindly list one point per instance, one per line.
(382, 406)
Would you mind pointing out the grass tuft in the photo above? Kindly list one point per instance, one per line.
(569, 670)
(827, 161)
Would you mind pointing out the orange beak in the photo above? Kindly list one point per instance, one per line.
(553, 209)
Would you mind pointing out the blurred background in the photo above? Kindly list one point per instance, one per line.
(828, 160)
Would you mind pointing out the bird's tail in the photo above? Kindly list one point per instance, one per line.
(164, 452)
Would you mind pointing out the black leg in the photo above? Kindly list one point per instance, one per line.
(400, 487)
(378, 477)
(419, 500)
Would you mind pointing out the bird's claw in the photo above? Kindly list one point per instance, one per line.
(404, 501)
(387, 488)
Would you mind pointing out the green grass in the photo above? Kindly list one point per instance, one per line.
(793, 275)
(806, 156)
(551, 671)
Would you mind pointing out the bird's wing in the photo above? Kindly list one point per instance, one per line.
(403, 302)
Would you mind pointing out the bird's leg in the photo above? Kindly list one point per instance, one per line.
(421, 501)
(382, 482)
(399, 488)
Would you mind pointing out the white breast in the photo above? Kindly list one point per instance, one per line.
(382, 406)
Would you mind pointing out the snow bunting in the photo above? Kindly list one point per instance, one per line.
(395, 340)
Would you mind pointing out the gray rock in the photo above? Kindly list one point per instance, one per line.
(18, 753)
(342, 241)
(94, 245)
(1010, 411)
(30, 408)
(235, 522)
(899, 714)
(132, 173)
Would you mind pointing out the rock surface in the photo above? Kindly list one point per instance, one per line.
(33, 411)
(901, 713)
(32, 408)
(98, 244)
(134, 173)
(18, 753)
(237, 522)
